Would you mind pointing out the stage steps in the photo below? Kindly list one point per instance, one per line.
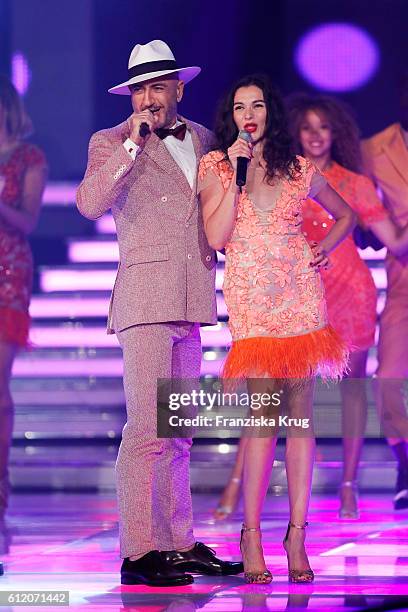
(67, 388)
(91, 466)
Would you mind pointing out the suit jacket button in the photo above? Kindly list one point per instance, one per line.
(208, 258)
(189, 256)
(164, 198)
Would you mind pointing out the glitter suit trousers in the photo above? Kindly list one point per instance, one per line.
(152, 474)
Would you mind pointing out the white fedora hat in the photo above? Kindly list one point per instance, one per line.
(152, 60)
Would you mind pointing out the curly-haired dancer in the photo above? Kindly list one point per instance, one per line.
(326, 133)
(274, 295)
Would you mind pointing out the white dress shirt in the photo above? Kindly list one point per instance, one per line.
(182, 151)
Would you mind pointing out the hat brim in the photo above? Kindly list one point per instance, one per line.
(185, 75)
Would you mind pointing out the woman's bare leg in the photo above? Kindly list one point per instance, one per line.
(300, 453)
(354, 419)
(7, 354)
(230, 496)
(258, 461)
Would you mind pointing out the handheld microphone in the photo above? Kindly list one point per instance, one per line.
(242, 162)
(144, 130)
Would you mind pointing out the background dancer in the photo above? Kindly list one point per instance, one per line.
(23, 172)
(385, 157)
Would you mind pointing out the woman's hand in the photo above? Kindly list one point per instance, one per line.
(240, 148)
(345, 219)
(320, 259)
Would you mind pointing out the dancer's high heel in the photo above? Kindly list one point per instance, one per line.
(261, 577)
(344, 513)
(297, 575)
(222, 511)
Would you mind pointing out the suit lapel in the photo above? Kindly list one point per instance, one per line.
(158, 152)
(397, 152)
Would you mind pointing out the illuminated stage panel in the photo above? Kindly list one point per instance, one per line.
(85, 366)
(77, 306)
(90, 251)
(370, 254)
(72, 307)
(76, 335)
(105, 224)
(103, 251)
(87, 251)
(77, 280)
(70, 279)
(60, 194)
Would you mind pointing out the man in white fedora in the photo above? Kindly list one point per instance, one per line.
(144, 170)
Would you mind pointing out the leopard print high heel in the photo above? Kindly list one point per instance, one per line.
(261, 577)
(297, 575)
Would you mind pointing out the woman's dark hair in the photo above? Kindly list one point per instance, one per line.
(345, 133)
(17, 122)
(278, 151)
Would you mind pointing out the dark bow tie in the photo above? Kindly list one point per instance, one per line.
(178, 132)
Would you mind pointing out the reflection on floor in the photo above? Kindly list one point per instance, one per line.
(69, 542)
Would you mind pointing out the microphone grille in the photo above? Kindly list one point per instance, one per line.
(245, 135)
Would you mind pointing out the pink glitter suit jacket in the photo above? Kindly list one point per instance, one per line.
(167, 269)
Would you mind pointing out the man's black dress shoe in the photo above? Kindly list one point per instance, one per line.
(152, 570)
(202, 560)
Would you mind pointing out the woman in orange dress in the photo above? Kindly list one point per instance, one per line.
(274, 295)
(22, 180)
(325, 133)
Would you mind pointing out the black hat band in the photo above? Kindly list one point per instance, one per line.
(152, 67)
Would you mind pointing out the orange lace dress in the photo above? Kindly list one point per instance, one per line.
(16, 263)
(350, 291)
(275, 299)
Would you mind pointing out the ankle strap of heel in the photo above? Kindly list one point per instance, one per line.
(298, 526)
(245, 528)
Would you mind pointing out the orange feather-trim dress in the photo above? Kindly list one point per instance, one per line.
(275, 299)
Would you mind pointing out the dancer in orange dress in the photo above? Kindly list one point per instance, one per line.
(22, 180)
(274, 295)
(326, 133)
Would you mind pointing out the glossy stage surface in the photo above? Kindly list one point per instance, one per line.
(70, 542)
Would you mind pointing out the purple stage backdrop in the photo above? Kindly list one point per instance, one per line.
(65, 55)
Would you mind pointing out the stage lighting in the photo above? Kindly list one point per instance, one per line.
(21, 74)
(337, 56)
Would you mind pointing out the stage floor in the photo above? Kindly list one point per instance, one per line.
(69, 542)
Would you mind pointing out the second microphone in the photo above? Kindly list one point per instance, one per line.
(242, 162)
